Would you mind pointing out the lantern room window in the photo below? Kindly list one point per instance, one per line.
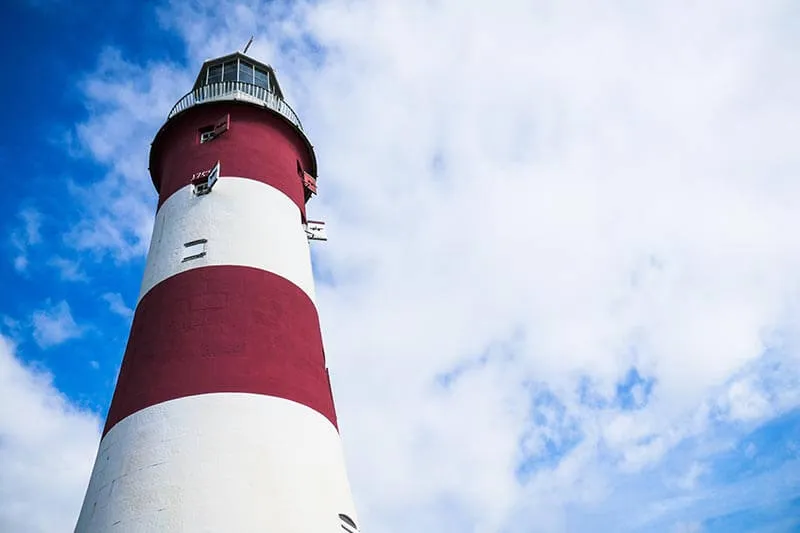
(229, 71)
(222, 72)
(238, 70)
(215, 74)
(245, 72)
(261, 78)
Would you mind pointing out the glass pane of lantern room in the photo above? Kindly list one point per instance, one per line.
(245, 72)
(261, 78)
(229, 71)
(215, 74)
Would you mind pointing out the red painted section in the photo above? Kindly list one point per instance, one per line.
(258, 145)
(223, 329)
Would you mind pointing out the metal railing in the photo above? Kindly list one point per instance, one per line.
(236, 90)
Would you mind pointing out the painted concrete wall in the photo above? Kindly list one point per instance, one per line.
(245, 222)
(223, 329)
(259, 146)
(218, 463)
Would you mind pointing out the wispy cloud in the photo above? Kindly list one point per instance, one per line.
(744, 402)
(26, 235)
(54, 325)
(68, 270)
(117, 305)
(128, 103)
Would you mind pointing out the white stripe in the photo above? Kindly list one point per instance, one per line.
(245, 223)
(219, 462)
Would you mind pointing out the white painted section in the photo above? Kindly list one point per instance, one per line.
(246, 223)
(215, 463)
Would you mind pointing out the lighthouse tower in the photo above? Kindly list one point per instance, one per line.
(223, 420)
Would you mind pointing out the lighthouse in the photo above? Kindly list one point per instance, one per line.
(223, 420)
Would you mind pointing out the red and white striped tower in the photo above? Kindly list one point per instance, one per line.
(223, 419)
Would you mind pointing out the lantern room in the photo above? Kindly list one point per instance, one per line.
(237, 77)
(240, 68)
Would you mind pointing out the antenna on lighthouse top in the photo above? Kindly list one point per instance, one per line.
(248, 45)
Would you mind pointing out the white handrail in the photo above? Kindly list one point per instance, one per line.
(236, 90)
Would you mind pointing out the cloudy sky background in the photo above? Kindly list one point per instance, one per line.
(562, 289)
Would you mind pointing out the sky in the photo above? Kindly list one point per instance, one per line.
(561, 291)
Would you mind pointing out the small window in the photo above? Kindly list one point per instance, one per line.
(310, 183)
(206, 134)
(299, 169)
(222, 125)
(211, 132)
(215, 74)
(194, 250)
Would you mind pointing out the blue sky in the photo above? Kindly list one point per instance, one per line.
(64, 41)
(559, 279)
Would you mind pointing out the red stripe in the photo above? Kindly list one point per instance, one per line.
(223, 329)
(258, 145)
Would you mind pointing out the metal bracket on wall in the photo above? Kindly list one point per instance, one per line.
(194, 250)
(204, 181)
(315, 230)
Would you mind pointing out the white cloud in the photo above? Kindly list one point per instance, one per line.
(54, 325)
(12, 329)
(20, 263)
(117, 305)
(127, 105)
(68, 269)
(573, 188)
(690, 479)
(26, 235)
(47, 447)
(745, 403)
(32, 220)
